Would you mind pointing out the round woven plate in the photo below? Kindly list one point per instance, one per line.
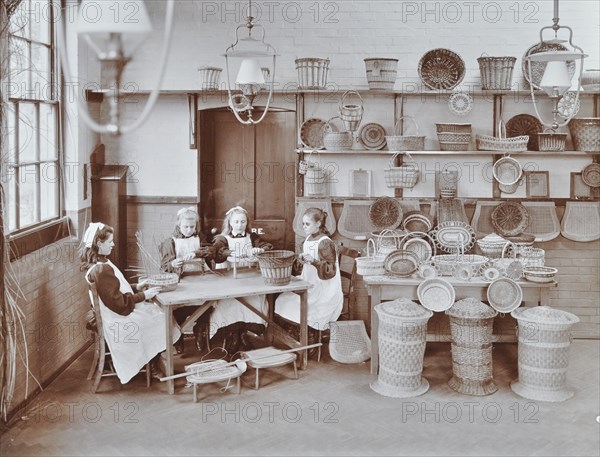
(538, 68)
(514, 270)
(401, 262)
(507, 171)
(491, 274)
(453, 236)
(591, 175)
(385, 213)
(460, 103)
(441, 69)
(525, 124)
(372, 136)
(504, 295)
(420, 247)
(311, 133)
(510, 218)
(566, 106)
(436, 294)
(417, 221)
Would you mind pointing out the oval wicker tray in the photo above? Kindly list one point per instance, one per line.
(510, 218)
(401, 262)
(453, 236)
(441, 69)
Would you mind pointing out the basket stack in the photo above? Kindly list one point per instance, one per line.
(543, 346)
(496, 72)
(471, 325)
(586, 133)
(276, 267)
(454, 137)
(402, 338)
(312, 72)
(381, 73)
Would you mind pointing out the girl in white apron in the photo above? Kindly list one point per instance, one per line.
(237, 243)
(319, 265)
(187, 252)
(134, 329)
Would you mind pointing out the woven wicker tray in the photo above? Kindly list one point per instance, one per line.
(441, 69)
(386, 213)
(510, 218)
(482, 218)
(451, 209)
(303, 204)
(543, 221)
(354, 222)
(581, 221)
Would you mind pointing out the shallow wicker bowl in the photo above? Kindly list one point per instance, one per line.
(166, 281)
(539, 274)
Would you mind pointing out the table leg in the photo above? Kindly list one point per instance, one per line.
(269, 330)
(304, 328)
(375, 300)
(169, 349)
(544, 296)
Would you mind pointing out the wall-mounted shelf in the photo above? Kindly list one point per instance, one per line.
(367, 152)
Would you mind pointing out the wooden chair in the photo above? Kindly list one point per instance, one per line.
(98, 369)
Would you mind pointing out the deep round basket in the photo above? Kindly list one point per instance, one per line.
(166, 281)
(276, 266)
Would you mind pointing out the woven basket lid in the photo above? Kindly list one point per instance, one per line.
(403, 308)
(545, 315)
(471, 308)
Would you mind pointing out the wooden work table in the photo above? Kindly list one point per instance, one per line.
(383, 288)
(205, 290)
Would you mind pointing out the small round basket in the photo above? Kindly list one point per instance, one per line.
(441, 69)
(539, 274)
(336, 141)
(166, 281)
(276, 266)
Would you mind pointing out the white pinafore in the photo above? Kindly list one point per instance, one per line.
(325, 298)
(184, 246)
(229, 310)
(135, 339)
(240, 248)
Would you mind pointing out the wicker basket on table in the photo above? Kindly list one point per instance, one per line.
(276, 266)
(336, 141)
(166, 281)
(371, 264)
(404, 176)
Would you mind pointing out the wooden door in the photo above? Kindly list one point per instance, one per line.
(250, 166)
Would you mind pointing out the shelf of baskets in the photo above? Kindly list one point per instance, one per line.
(368, 152)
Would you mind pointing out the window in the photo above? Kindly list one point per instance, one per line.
(31, 162)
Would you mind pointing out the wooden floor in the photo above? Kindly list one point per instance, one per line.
(330, 410)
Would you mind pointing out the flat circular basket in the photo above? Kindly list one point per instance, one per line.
(539, 274)
(401, 262)
(372, 136)
(591, 175)
(507, 171)
(510, 218)
(436, 294)
(386, 213)
(460, 103)
(504, 295)
(441, 69)
(525, 124)
(311, 133)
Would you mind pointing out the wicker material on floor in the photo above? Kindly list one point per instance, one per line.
(471, 325)
(269, 357)
(303, 203)
(213, 371)
(354, 222)
(349, 342)
(544, 341)
(543, 221)
(581, 221)
(402, 336)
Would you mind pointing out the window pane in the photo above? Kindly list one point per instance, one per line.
(19, 21)
(27, 137)
(19, 76)
(28, 181)
(10, 188)
(48, 144)
(40, 72)
(9, 156)
(49, 190)
(39, 20)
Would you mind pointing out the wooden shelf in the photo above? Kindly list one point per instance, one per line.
(367, 152)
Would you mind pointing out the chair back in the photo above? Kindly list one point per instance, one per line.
(95, 302)
(347, 264)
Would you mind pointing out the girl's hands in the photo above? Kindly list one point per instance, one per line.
(177, 263)
(151, 292)
(141, 285)
(255, 251)
(307, 258)
(189, 256)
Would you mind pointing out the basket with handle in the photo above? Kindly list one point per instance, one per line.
(397, 142)
(305, 164)
(315, 177)
(502, 143)
(371, 264)
(551, 141)
(351, 114)
(496, 72)
(405, 176)
(336, 141)
(276, 266)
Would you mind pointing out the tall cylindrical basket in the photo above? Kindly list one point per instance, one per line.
(209, 77)
(312, 72)
(381, 73)
(471, 324)
(402, 338)
(496, 72)
(276, 266)
(544, 342)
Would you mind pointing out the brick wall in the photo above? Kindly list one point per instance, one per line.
(54, 303)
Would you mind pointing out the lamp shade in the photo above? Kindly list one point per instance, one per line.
(101, 21)
(250, 72)
(556, 80)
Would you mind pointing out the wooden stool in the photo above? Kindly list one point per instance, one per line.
(269, 357)
(216, 371)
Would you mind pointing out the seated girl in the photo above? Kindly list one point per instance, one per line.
(318, 265)
(134, 328)
(237, 243)
(187, 252)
